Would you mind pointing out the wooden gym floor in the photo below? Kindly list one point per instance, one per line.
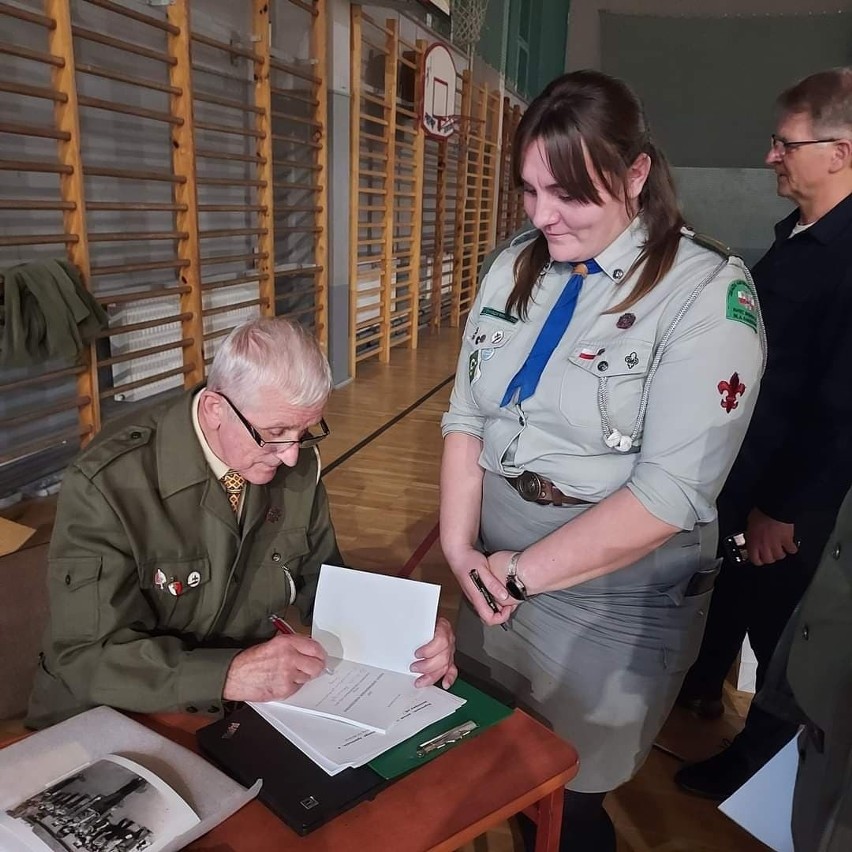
(381, 471)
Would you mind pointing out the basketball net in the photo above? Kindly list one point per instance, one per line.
(467, 19)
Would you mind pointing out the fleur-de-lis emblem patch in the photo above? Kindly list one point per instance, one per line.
(730, 390)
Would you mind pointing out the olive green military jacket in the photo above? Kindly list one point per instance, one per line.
(153, 586)
(819, 671)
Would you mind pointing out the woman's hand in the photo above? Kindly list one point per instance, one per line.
(469, 559)
(435, 658)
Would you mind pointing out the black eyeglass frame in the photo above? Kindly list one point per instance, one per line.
(304, 443)
(776, 142)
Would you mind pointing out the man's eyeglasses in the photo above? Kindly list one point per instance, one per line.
(304, 442)
(782, 146)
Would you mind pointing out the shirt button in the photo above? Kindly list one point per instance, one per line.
(836, 552)
(67, 579)
(191, 709)
(213, 708)
(135, 436)
(806, 632)
(276, 557)
(618, 274)
(603, 366)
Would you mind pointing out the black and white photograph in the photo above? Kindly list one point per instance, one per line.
(112, 805)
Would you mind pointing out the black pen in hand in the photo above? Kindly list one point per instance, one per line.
(489, 598)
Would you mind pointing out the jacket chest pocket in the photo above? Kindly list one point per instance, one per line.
(179, 590)
(273, 572)
(603, 384)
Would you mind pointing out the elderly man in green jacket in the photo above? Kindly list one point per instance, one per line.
(181, 531)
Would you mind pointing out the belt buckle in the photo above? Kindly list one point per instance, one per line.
(530, 486)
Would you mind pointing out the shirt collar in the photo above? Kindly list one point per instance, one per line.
(825, 229)
(216, 464)
(618, 257)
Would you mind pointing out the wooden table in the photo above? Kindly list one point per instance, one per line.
(516, 765)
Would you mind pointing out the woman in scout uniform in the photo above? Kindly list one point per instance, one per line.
(609, 368)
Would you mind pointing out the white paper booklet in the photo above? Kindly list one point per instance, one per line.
(112, 804)
(336, 746)
(362, 695)
(370, 626)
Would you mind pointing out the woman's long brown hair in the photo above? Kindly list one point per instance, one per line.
(587, 112)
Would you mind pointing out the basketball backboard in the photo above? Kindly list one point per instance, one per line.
(439, 92)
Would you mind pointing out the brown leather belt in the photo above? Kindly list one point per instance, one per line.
(537, 489)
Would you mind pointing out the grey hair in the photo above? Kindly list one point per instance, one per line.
(271, 353)
(825, 96)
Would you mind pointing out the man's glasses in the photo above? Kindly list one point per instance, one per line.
(304, 442)
(782, 146)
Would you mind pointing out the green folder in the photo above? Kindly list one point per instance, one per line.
(479, 707)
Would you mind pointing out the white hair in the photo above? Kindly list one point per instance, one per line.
(271, 354)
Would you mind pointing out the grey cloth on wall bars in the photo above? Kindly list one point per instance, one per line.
(46, 313)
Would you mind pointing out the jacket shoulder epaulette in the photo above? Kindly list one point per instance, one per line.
(103, 452)
(707, 242)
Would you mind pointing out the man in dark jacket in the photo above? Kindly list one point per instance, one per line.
(179, 532)
(796, 462)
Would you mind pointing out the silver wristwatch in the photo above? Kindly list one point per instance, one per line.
(514, 584)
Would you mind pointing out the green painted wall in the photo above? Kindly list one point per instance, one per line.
(536, 36)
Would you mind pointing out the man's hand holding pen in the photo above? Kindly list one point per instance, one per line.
(275, 669)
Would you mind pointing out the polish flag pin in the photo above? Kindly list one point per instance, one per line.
(588, 354)
(175, 588)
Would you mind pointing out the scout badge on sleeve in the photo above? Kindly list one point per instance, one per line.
(741, 305)
(730, 390)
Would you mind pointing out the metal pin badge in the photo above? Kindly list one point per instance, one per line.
(175, 587)
(193, 579)
(273, 515)
(497, 336)
(625, 321)
(160, 579)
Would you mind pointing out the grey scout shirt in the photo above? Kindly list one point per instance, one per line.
(701, 379)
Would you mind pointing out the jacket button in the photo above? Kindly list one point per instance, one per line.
(67, 579)
(135, 436)
(836, 552)
(213, 708)
(806, 632)
(276, 557)
(191, 709)
(603, 366)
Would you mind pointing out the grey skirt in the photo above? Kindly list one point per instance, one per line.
(600, 663)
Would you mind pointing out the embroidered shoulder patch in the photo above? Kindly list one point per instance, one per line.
(502, 315)
(741, 305)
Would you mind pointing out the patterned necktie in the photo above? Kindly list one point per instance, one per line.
(233, 484)
(526, 380)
